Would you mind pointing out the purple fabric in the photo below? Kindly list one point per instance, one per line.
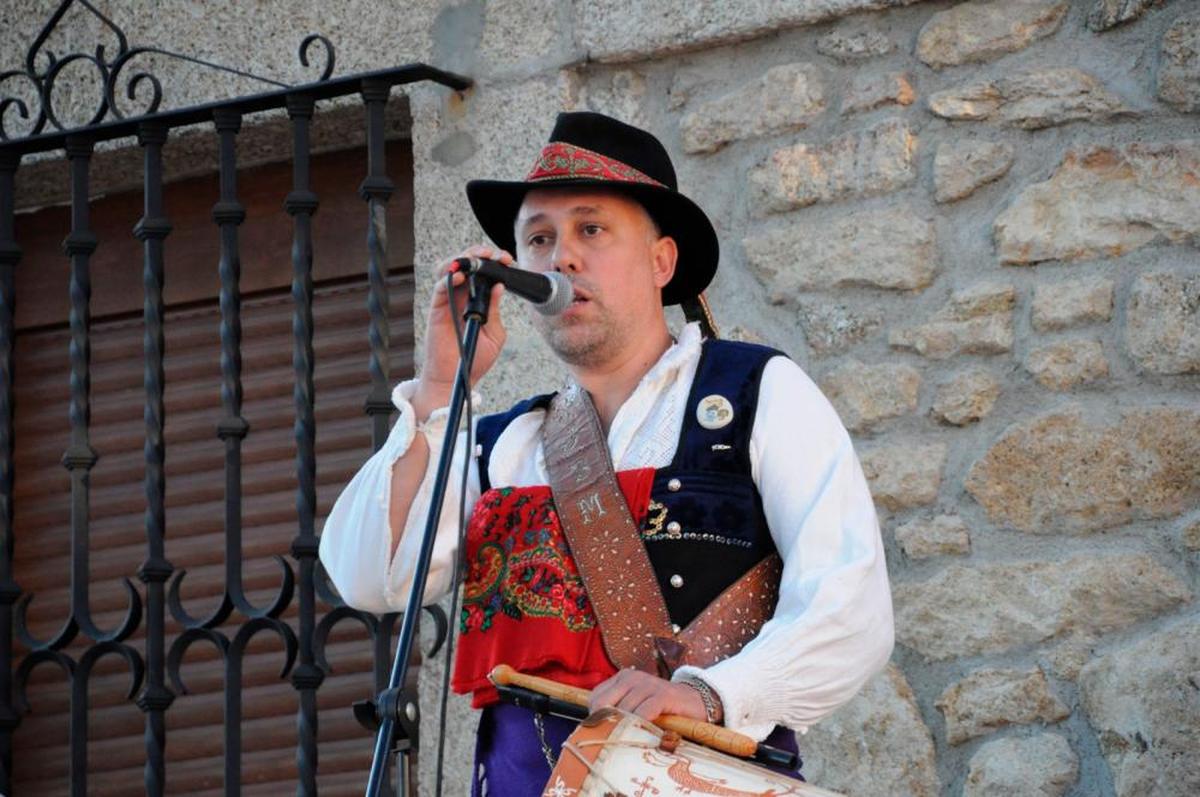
(509, 758)
(508, 754)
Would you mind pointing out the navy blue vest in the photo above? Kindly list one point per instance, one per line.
(706, 525)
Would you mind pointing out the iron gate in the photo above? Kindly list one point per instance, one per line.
(155, 675)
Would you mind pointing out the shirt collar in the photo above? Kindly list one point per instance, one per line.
(685, 348)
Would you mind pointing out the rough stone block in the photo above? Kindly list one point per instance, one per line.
(961, 168)
(1067, 658)
(857, 43)
(1110, 13)
(519, 34)
(1105, 202)
(1070, 304)
(1179, 65)
(620, 30)
(944, 535)
(880, 730)
(878, 160)
(785, 98)
(978, 320)
(865, 395)
(966, 397)
(1144, 702)
(882, 249)
(1190, 537)
(1063, 365)
(830, 327)
(906, 475)
(1062, 473)
(987, 700)
(1042, 765)
(970, 611)
(1162, 322)
(981, 30)
(869, 91)
(1030, 100)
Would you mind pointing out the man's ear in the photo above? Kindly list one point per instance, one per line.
(665, 254)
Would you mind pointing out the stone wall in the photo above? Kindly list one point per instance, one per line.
(976, 225)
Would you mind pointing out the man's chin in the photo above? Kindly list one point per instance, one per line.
(574, 345)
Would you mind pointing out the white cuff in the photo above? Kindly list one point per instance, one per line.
(434, 427)
(737, 711)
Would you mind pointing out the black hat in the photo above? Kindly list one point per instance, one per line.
(590, 149)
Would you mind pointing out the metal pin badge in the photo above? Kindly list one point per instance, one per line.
(714, 412)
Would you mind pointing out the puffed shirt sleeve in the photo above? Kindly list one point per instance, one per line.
(356, 540)
(832, 628)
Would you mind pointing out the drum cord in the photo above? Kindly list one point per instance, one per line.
(569, 747)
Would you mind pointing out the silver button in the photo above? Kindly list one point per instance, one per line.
(674, 485)
(673, 527)
(676, 581)
(675, 628)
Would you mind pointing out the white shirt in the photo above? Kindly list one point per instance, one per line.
(832, 628)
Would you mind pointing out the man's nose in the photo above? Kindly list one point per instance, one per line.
(566, 257)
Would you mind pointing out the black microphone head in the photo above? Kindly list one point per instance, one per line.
(562, 293)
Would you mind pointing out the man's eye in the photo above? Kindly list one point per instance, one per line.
(537, 240)
(592, 229)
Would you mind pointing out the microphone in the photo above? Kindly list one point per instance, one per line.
(550, 293)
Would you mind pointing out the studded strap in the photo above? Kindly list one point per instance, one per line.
(604, 540)
(612, 560)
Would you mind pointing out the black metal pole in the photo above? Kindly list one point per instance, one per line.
(10, 255)
(389, 704)
(154, 227)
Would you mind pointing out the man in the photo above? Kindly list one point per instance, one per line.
(725, 454)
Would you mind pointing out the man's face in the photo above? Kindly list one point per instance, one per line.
(609, 247)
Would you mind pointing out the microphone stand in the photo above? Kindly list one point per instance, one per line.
(397, 706)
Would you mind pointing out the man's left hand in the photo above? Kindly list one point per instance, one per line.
(647, 696)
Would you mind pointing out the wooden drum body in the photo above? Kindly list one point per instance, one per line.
(616, 753)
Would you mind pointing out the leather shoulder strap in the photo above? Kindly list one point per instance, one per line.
(612, 560)
(604, 540)
(735, 616)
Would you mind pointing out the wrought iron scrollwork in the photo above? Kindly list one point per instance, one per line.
(123, 89)
(79, 674)
(233, 654)
(109, 66)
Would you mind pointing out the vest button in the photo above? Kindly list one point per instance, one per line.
(676, 581)
(673, 527)
(674, 484)
(675, 629)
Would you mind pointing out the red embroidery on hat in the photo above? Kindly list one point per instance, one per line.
(560, 161)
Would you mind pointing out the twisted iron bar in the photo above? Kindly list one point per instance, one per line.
(152, 230)
(301, 204)
(10, 255)
(376, 189)
(42, 80)
(80, 457)
(229, 213)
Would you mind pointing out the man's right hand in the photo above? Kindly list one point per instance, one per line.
(436, 382)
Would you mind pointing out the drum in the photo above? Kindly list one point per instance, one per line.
(616, 753)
